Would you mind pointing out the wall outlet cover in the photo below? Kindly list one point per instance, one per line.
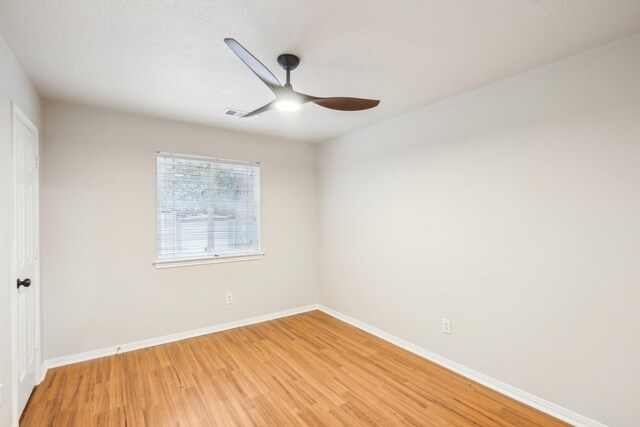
(446, 326)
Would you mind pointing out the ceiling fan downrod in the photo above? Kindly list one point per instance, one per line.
(288, 62)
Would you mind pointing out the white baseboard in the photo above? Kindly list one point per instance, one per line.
(43, 372)
(514, 393)
(117, 349)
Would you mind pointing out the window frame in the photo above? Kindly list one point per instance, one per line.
(160, 263)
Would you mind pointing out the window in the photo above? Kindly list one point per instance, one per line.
(207, 208)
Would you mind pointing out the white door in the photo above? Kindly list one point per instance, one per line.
(26, 287)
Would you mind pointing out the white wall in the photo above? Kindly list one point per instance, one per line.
(99, 231)
(513, 210)
(14, 86)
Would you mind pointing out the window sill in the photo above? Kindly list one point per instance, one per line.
(185, 262)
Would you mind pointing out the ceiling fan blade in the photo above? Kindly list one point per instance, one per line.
(256, 66)
(343, 103)
(269, 106)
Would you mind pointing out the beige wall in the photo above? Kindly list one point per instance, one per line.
(98, 231)
(514, 211)
(15, 86)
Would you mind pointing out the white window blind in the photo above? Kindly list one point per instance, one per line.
(207, 207)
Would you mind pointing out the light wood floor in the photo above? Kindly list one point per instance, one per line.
(309, 369)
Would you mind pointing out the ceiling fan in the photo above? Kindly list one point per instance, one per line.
(288, 99)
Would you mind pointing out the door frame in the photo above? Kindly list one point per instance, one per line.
(19, 116)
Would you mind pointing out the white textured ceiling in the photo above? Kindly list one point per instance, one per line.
(167, 57)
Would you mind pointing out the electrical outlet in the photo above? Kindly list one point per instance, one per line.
(446, 326)
(229, 297)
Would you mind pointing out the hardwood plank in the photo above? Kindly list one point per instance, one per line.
(309, 369)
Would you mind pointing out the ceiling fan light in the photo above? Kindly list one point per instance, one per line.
(287, 105)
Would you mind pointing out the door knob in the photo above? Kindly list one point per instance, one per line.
(26, 283)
